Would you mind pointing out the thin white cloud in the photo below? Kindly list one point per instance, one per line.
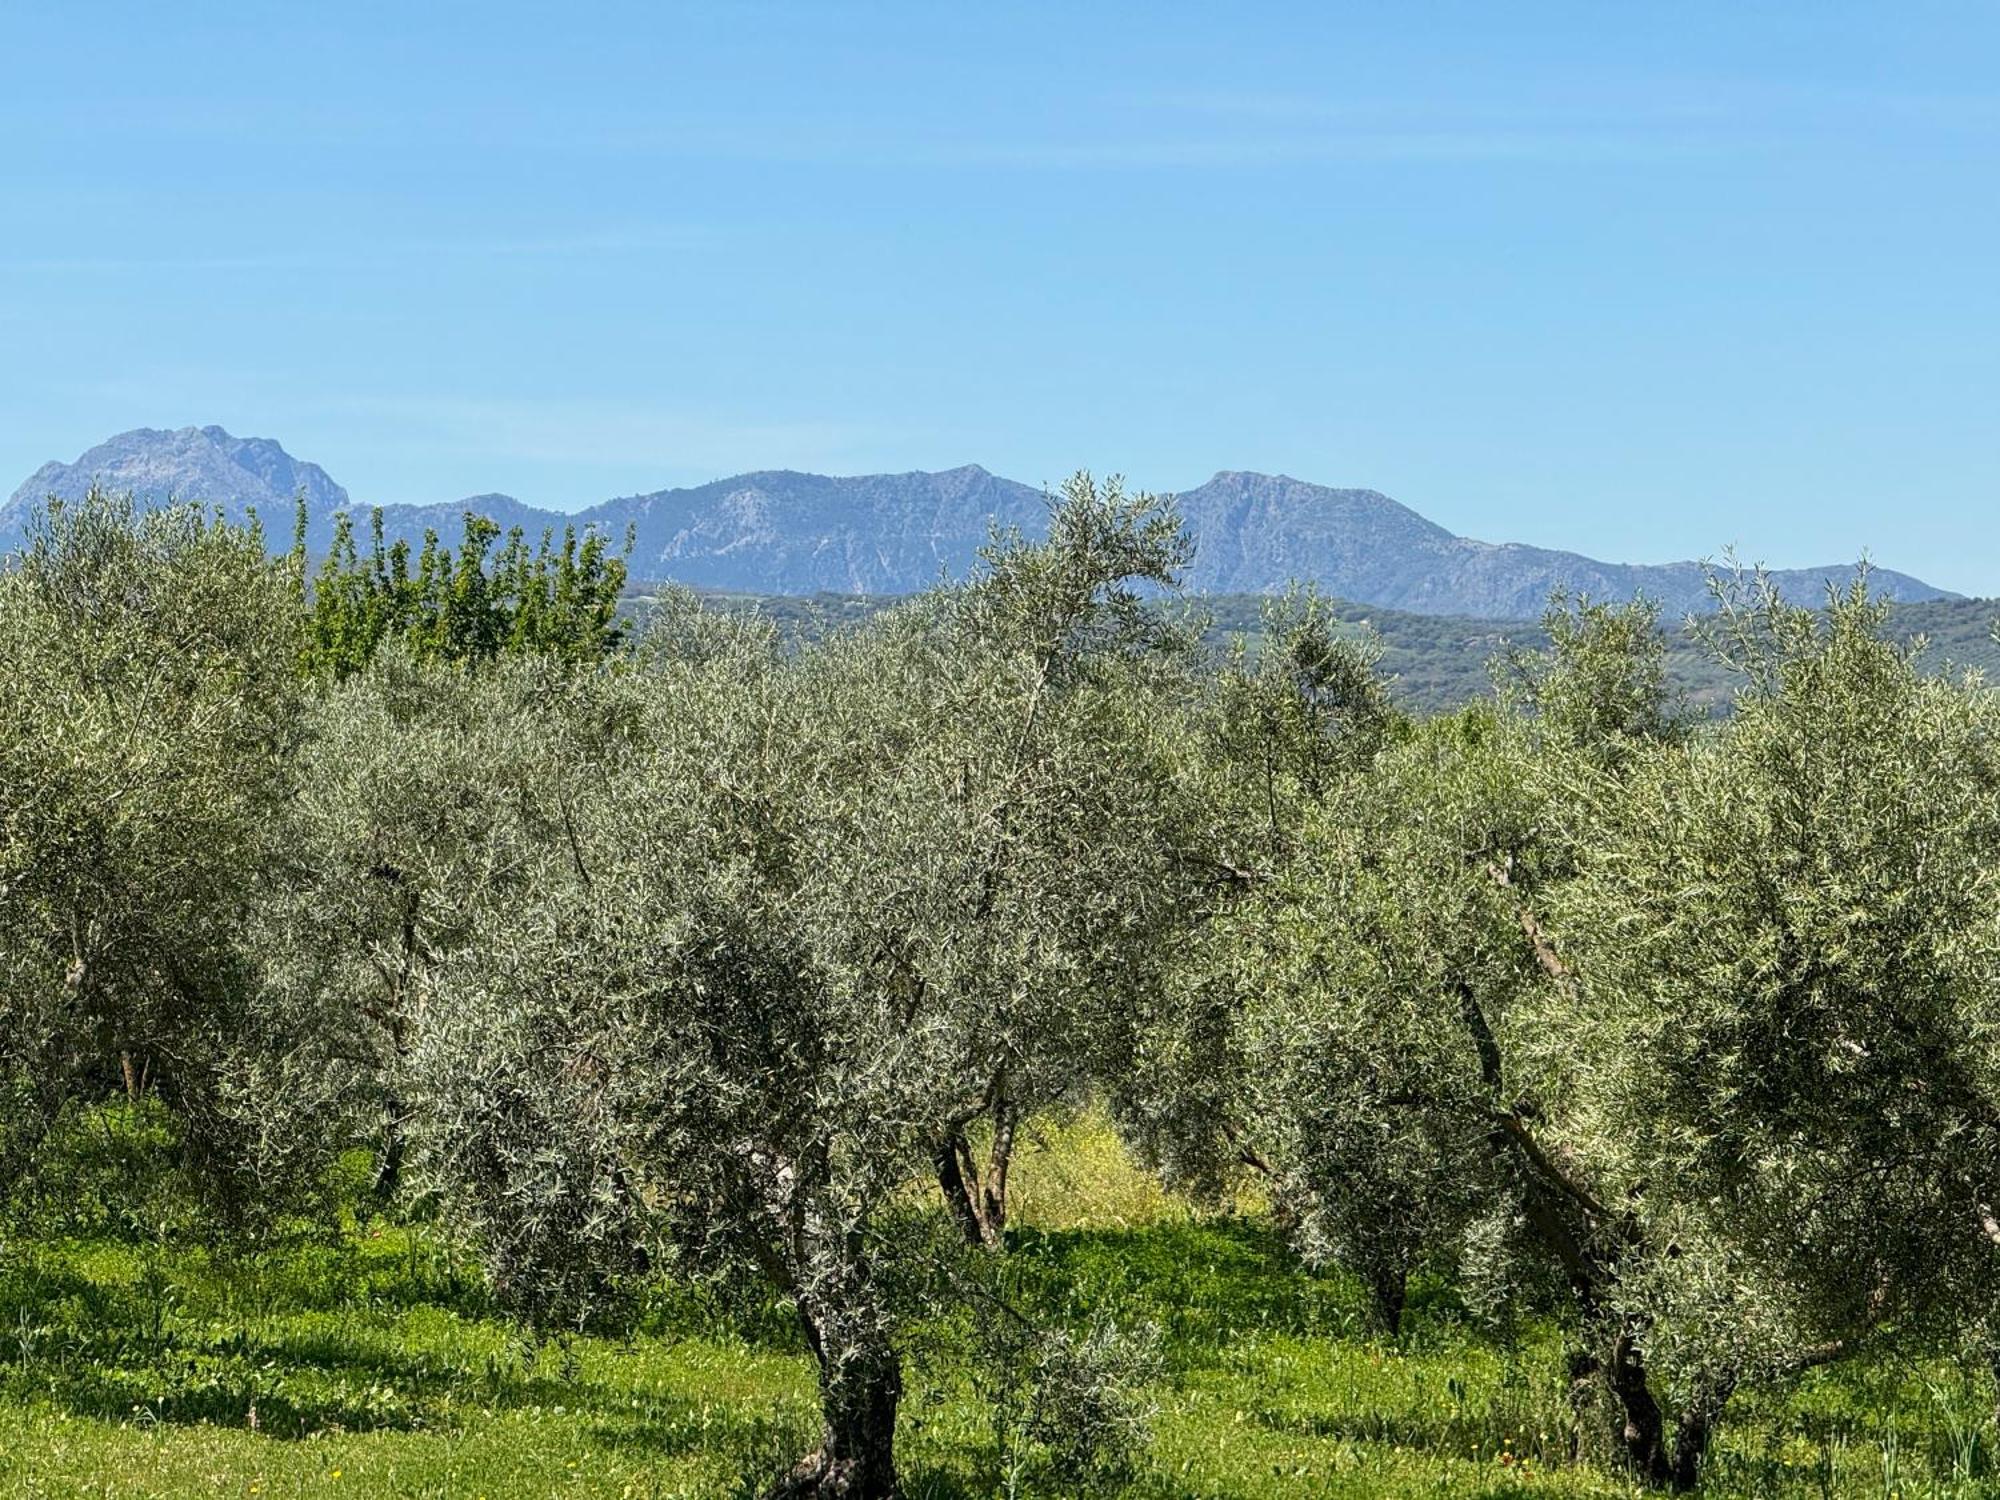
(1221, 130)
(1353, 147)
(369, 254)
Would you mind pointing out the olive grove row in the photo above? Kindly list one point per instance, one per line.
(708, 949)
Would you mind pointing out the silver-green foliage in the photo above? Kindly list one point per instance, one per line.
(1394, 997)
(1271, 739)
(431, 794)
(830, 904)
(149, 709)
(1788, 947)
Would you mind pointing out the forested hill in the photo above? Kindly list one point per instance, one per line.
(1441, 661)
(782, 532)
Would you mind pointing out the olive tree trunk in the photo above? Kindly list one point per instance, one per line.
(1588, 1240)
(1642, 1436)
(395, 1144)
(1388, 1292)
(978, 1199)
(859, 1391)
(1692, 1433)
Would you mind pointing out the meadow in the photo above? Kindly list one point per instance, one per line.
(367, 1362)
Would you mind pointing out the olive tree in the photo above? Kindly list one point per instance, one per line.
(1054, 698)
(841, 902)
(1786, 946)
(1390, 996)
(149, 712)
(1387, 979)
(1343, 1023)
(1278, 731)
(429, 793)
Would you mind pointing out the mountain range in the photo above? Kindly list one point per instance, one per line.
(781, 532)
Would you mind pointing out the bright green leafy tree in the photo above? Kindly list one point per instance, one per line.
(556, 600)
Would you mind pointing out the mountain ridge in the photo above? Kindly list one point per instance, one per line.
(784, 531)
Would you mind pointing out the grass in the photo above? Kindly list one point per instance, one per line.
(371, 1367)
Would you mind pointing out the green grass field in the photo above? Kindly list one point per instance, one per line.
(370, 1367)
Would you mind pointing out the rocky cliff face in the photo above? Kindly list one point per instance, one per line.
(204, 464)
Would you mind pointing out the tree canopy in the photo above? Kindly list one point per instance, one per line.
(709, 949)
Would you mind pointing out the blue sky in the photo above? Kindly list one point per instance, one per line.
(1644, 281)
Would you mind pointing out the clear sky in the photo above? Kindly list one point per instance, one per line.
(1639, 280)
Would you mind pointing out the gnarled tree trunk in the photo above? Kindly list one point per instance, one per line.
(1584, 1387)
(1642, 1435)
(389, 1163)
(1588, 1240)
(859, 1390)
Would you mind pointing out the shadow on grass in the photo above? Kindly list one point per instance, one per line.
(97, 1355)
(1444, 1434)
(1206, 1285)
(246, 1398)
(271, 1397)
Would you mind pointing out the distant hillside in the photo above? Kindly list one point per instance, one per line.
(780, 532)
(1439, 662)
(1365, 547)
(786, 533)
